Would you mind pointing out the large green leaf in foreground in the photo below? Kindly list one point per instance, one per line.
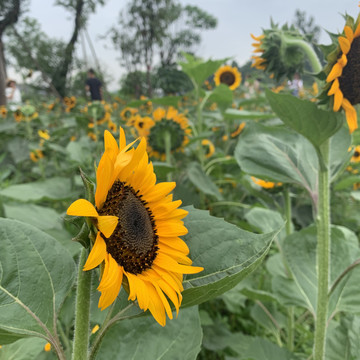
(144, 338)
(56, 188)
(227, 253)
(36, 273)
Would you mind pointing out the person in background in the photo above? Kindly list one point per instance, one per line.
(296, 85)
(13, 95)
(93, 85)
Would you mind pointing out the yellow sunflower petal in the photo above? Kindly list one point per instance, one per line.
(166, 262)
(103, 179)
(169, 229)
(138, 289)
(175, 243)
(357, 31)
(82, 207)
(334, 87)
(156, 306)
(338, 98)
(170, 293)
(109, 278)
(111, 146)
(164, 301)
(97, 254)
(109, 295)
(351, 115)
(107, 224)
(335, 72)
(159, 191)
(349, 33)
(344, 44)
(122, 140)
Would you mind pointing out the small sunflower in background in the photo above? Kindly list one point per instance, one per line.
(127, 112)
(70, 103)
(165, 122)
(356, 155)
(343, 72)
(3, 111)
(229, 76)
(138, 226)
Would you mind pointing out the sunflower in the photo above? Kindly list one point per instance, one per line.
(3, 111)
(344, 75)
(162, 122)
(229, 76)
(139, 226)
(356, 156)
(44, 134)
(18, 115)
(70, 103)
(127, 112)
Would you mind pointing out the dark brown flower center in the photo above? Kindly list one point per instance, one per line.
(227, 78)
(133, 244)
(356, 154)
(350, 78)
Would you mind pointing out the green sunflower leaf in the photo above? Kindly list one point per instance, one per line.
(222, 96)
(300, 252)
(305, 117)
(144, 338)
(278, 154)
(198, 71)
(36, 273)
(227, 253)
(54, 189)
(24, 349)
(203, 182)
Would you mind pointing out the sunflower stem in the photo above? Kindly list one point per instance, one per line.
(322, 255)
(167, 140)
(307, 49)
(288, 229)
(82, 315)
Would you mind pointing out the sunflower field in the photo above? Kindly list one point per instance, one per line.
(221, 223)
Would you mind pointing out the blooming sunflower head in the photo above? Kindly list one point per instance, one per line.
(275, 53)
(343, 72)
(139, 228)
(356, 155)
(165, 122)
(229, 76)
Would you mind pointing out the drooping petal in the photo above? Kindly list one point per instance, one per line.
(344, 44)
(97, 254)
(109, 295)
(349, 33)
(338, 98)
(82, 207)
(334, 87)
(107, 224)
(351, 115)
(335, 72)
(166, 262)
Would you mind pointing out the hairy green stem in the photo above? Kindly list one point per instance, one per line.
(307, 49)
(288, 229)
(322, 255)
(82, 315)
(167, 140)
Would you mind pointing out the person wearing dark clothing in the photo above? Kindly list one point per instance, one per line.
(94, 85)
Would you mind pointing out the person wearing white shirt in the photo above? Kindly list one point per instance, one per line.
(13, 95)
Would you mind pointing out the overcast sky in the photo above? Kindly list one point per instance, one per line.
(236, 20)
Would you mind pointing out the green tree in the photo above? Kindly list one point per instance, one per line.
(147, 27)
(9, 14)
